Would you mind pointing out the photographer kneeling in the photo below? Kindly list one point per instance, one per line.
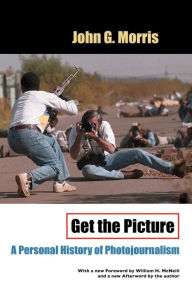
(94, 136)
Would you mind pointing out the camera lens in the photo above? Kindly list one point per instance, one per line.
(87, 126)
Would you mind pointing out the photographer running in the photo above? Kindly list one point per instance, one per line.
(26, 137)
(102, 136)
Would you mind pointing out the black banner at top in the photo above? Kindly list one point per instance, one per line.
(97, 39)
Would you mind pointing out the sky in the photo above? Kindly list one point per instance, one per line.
(119, 65)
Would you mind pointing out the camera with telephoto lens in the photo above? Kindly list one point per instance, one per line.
(88, 126)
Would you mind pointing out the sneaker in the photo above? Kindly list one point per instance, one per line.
(180, 168)
(134, 174)
(23, 184)
(63, 187)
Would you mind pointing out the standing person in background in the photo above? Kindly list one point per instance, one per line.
(26, 137)
(182, 111)
(189, 96)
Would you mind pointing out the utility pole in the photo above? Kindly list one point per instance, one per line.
(166, 72)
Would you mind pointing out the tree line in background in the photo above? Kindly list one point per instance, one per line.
(90, 89)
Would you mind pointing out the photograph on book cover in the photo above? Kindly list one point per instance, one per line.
(122, 134)
(79, 130)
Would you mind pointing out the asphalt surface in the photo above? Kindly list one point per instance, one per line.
(148, 189)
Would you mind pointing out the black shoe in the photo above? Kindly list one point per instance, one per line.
(134, 174)
(180, 168)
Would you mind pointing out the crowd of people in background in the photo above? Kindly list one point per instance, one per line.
(145, 111)
(140, 136)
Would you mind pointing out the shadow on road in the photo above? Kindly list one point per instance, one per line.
(9, 195)
(79, 179)
(15, 195)
(83, 179)
(132, 198)
(124, 198)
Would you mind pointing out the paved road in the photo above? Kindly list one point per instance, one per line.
(148, 189)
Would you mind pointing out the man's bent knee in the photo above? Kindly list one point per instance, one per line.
(87, 171)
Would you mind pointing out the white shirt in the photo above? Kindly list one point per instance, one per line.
(31, 106)
(165, 112)
(105, 132)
